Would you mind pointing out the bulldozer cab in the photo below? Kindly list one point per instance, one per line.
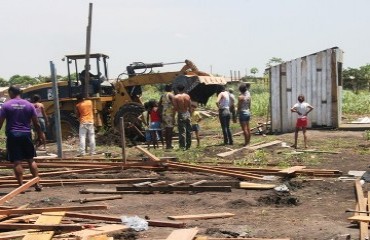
(98, 73)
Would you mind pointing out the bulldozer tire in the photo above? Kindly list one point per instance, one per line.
(133, 125)
(69, 125)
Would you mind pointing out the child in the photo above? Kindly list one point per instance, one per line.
(155, 122)
(195, 119)
(302, 109)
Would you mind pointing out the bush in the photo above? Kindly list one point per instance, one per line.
(356, 103)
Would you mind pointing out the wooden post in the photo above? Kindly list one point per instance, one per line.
(123, 140)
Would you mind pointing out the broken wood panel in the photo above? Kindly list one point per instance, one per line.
(202, 216)
(45, 219)
(364, 231)
(52, 209)
(88, 233)
(231, 152)
(183, 234)
(153, 223)
(275, 107)
(95, 199)
(18, 190)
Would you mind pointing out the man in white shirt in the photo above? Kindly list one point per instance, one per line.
(302, 108)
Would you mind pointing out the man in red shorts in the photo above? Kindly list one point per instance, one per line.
(302, 108)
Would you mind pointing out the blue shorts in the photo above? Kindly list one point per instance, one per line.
(244, 116)
(42, 124)
(195, 128)
(19, 146)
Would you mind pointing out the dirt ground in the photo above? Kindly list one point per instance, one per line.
(310, 210)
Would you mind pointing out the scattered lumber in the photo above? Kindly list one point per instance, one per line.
(52, 209)
(153, 223)
(24, 218)
(292, 170)
(49, 227)
(183, 234)
(14, 234)
(258, 186)
(95, 199)
(150, 155)
(88, 233)
(202, 216)
(211, 238)
(225, 172)
(364, 226)
(18, 190)
(45, 219)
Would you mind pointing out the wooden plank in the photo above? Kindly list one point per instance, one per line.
(150, 155)
(57, 173)
(45, 219)
(265, 145)
(292, 170)
(175, 189)
(88, 233)
(14, 234)
(49, 227)
(364, 231)
(153, 223)
(21, 207)
(202, 216)
(52, 209)
(95, 199)
(231, 152)
(18, 190)
(248, 185)
(183, 234)
(24, 219)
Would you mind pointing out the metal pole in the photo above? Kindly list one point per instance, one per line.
(231, 75)
(58, 129)
(123, 140)
(87, 59)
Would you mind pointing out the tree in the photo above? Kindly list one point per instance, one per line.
(254, 71)
(3, 82)
(273, 62)
(356, 78)
(23, 80)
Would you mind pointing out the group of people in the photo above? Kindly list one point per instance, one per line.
(226, 103)
(161, 115)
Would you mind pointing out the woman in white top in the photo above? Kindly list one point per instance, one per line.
(302, 109)
(223, 104)
(244, 106)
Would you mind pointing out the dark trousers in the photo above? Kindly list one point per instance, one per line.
(184, 126)
(224, 116)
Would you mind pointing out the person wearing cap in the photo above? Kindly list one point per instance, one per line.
(19, 113)
(195, 119)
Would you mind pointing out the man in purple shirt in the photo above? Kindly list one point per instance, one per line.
(18, 114)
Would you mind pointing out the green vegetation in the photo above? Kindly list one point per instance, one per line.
(358, 104)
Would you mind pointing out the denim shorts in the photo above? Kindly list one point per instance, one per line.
(244, 116)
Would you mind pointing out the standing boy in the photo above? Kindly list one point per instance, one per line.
(181, 104)
(195, 119)
(302, 108)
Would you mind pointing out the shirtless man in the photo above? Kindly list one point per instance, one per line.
(182, 104)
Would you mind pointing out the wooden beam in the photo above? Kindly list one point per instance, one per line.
(18, 190)
(259, 186)
(45, 219)
(95, 199)
(292, 170)
(202, 216)
(88, 233)
(52, 209)
(364, 231)
(49, 227)
(231, 152)
(153, 223)
(24, 219)
(183, 234)
(150, 155)
(175, 189)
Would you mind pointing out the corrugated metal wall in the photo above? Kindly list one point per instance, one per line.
(318, 77)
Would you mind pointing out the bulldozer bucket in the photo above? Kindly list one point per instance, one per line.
(199, 88)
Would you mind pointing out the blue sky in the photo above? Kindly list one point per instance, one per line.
(225, 34)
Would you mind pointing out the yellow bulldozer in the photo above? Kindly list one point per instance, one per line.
(113, 99)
